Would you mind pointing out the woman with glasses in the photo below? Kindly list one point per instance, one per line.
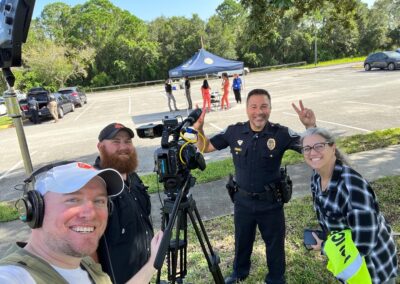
(343, 199)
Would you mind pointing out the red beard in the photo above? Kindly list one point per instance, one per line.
(123, 164)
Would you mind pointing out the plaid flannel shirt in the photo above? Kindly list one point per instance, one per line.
(350, 203)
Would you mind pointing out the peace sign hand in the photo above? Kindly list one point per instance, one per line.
(306, 115)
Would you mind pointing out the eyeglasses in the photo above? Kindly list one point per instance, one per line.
(318, 147)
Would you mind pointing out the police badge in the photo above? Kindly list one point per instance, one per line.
(271, 143)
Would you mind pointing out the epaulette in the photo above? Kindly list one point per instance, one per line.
(240, 123)
(273, 124)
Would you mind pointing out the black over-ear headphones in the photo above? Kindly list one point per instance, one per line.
(31, 205)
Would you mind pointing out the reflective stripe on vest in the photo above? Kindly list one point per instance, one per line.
(351, 269)
(345, 261)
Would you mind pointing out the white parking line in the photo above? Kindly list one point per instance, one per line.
(130, 105)
(14, 167)
(216, 127)
(334, 123)
(353, 102)
(85, 110)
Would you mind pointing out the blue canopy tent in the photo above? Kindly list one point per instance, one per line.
(204, 62)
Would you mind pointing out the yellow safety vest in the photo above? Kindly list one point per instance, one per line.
(344, 259)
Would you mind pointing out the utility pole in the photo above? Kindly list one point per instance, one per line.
(315, 47)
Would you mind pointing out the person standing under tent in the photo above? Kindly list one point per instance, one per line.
(225, 88)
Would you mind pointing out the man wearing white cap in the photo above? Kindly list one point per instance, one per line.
(67, 211)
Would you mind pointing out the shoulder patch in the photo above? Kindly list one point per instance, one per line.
(292, 133)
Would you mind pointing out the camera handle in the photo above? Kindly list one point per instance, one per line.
(174, 212)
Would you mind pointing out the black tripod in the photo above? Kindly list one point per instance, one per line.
(177, 210)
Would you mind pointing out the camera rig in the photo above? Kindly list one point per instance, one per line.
(173, 162)
(176, 156)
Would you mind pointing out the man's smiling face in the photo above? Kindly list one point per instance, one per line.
(74, 222)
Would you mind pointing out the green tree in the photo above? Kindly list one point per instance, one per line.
(55, 64)
(178, 38)
(225, 28)
(54, 21)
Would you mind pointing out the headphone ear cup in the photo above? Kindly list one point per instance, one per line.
(24, 208)
(37, 209)
(110, 206)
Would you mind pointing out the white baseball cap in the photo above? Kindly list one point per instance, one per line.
(73, 176)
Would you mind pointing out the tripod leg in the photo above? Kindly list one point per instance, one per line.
(178, 249)
(164, 222)
(211, 257)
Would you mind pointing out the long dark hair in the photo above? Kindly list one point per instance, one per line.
(205, 85)
(329, 137)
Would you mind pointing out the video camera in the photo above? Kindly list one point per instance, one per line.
(176, 156)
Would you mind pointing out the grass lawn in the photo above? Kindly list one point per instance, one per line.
(302, 266)
(7, 212)
(5, 121)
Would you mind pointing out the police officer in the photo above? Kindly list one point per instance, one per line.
(257, 147)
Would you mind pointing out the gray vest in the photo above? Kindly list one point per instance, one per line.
(42, 272)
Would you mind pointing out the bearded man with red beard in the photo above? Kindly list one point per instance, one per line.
(125, 245)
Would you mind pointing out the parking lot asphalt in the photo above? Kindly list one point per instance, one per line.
(213, 201)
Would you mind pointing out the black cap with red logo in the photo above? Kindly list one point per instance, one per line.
(112, 129)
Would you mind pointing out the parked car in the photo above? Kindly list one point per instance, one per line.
(37, 90)
(3, 108)
(383, 60)
(43, 98)
(75, 94)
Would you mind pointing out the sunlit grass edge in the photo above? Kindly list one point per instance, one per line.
(334, 62)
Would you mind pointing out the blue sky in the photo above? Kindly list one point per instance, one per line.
(150, 9)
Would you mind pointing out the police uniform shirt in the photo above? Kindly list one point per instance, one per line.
(257, 155)
(126, 241)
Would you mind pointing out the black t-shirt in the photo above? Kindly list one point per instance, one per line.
(168, 88)
(187, 84)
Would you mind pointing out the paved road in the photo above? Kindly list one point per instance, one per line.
(346, 100)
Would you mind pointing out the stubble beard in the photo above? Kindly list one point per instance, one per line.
(65, 247)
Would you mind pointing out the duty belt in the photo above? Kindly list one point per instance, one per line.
(265, 195)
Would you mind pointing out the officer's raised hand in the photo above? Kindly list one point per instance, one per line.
(203, 142)
(198, 125)
(306, 115)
